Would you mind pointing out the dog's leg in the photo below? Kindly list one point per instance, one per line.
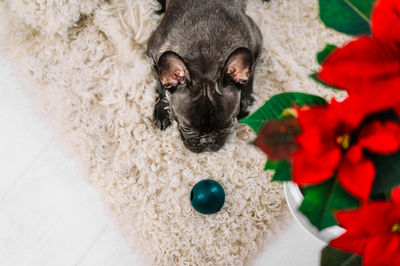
(246, 100)
(162, 114)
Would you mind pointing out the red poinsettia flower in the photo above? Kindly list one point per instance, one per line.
(369, 67)
(318, 153)
(373, 231)
(328, 144)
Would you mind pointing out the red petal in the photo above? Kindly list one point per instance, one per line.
(369, 232)
(308, 171)
(359, 62)
(380, 137)
(321, 117)
(354, 154)
(376, 218)
(357, 178)
(396, 260)
(371, 219)
(349, 113)
(347, 220)
(380, 249)
(396, 195)
(386, 20)
(351, 243)
(318, 154)
(377, 95)
(397, 110)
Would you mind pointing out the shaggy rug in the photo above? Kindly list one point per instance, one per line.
(83, 63)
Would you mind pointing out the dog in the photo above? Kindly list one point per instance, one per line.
(204, 53)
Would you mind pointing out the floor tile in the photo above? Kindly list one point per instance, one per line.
(23, 136)
(109, 250)
(51, 216)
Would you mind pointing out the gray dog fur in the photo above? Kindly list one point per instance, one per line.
(204, 53)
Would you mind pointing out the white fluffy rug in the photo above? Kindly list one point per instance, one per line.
(84, 65)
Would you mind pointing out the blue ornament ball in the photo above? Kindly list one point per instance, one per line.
(207, 196)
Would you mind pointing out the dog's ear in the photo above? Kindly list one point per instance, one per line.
(172, 70)
(239, 65)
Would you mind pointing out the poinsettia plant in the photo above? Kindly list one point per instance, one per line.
(345, 155)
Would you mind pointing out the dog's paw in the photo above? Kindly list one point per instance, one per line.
(161, 115)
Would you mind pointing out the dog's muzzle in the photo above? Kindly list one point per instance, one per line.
(209, 141)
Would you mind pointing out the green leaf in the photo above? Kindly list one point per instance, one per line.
(335, 257)
(271, 165)
(274, 107)
(320, 201)
(322, 55)
(363, 7)
(387, 173)
(283, 171)
(347, 16)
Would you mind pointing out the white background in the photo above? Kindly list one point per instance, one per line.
(50, 215)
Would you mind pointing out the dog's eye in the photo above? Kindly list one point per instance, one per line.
(228, 80)
(239, 85)
(170, 88)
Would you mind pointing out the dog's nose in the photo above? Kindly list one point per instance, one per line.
(212, 143)
(208, 140)
(205, 141)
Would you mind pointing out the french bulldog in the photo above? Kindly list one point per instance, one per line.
(204, 53)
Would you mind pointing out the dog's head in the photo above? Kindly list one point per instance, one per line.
(205, 103)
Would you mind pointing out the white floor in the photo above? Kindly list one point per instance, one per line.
(49, 213)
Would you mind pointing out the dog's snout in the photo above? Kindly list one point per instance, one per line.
(210, 141)
(207, 140)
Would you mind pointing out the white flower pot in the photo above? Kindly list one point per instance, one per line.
(294, 197)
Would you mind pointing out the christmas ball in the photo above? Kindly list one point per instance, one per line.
(207, 196)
